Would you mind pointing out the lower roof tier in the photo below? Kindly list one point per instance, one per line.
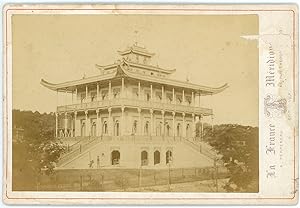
(123, 69)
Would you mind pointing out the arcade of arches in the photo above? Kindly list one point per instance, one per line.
(145, 157)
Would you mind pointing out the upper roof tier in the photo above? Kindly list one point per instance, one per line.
(141, 58)
(135, 49)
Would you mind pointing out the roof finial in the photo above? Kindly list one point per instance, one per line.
(136, 37)
(188, 76)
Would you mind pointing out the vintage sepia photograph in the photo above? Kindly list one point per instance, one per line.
(135, 103)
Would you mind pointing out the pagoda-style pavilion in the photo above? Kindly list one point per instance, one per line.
(131, 100)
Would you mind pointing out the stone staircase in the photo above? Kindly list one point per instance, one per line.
(202, 148)
(78, 148)
(83, 144)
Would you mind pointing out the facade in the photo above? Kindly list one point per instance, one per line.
(131, 109)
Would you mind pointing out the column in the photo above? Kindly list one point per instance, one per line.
(183, 125)
(66, 96)
(86, 124)
(163, 122)
(183, 98)
(75, 121)
(163, 156)
(193, 126)
(151, 92)
(86, 93)
(199, 99)
(201, 122)
(140, 122)
(66, 124)
(97, 93)
(173, 99)
(162, 93)
(193, 99)
(76, 95)
(122, 92)
(56, 125)
(150, 158)
(122, 121)
(110, 122)
(173, 114)
(97, 121)
(57, 99)
(109, 90)
(72, 97)
(151, 121)
(72, 129)
(139, 90)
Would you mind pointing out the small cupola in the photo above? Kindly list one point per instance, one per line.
(137, 54)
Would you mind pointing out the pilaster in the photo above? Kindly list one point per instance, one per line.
(87, 131)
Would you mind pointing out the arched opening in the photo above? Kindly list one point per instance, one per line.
(158, 129)
(134, 127)
(115, 157)
(117, 128)
(93, 129)
(82, 130)
(169, 157)
(146, 130)
(156, 157)
(178, 130)
(104, 128)
(188, 130)
(144, 158)
(168, 130)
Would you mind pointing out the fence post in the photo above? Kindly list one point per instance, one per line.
(102, 181)
(140, 177)
(169, 179)
(81, 179)
(216, 174)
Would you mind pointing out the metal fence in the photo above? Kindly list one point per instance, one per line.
(126, 179)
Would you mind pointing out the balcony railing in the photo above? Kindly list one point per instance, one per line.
(119, 102)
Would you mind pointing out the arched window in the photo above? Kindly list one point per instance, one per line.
(169, 157)
(168, 129)
(104, 128)
(117, 128)
(178, 130)
(134, 127)
(115, 157)
(146, 130)
(144, 158)
(93, 128)
(156, 157)
(158, 129)
(188, 130)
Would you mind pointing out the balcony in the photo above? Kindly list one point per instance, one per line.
(119, 102)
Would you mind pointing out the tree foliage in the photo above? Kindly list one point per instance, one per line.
(38, 150)
(239, 147)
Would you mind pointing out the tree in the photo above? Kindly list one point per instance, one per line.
(38, 150)
(239, 147)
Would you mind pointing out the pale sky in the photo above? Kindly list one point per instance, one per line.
(61, 48)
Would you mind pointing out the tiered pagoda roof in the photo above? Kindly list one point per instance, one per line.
(135, 70)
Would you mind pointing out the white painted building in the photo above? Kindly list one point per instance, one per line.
(132, 114)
